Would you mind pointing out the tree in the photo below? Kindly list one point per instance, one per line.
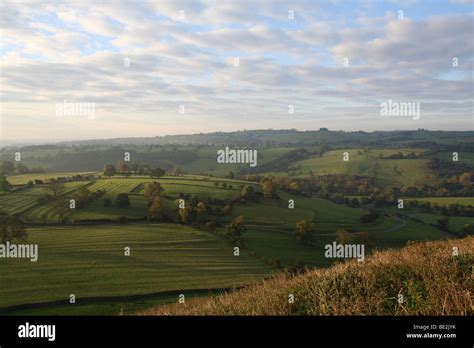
(468, 229)
(343, 237)
(109, 170)
(268, 187)
(60, 207)
(123, 168)
(11, 228)
(187, 215)
(201, 213)
(122, 200)
(144, 169)
(82, 196)
(8, 167)
(157, 172)
(55, 189)
(304, 231)
(230, 175)
(367, 218)
(235, 229)
(295, 186)
(443, 223)
(210, 226)
(176, 171)
(4, 184)
(107, 202)
(134, 167)
(152, 190)
(465, 179)
(247, 192)
(154, 210)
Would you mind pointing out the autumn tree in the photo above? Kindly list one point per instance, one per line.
(152, 190)
(235, 229)
(247, 192)
(123, 168)
(155, 208)
(109, 170)
(268, 187)
(11, 228)
(304, 231)
(343, 237)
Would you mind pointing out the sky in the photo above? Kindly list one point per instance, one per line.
(108, 69)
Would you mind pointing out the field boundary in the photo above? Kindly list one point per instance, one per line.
(100, 299)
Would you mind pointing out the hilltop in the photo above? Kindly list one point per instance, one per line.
(431, 280)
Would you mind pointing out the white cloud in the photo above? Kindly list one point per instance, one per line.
(77, 52)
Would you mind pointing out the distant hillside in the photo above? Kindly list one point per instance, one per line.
(292, 137)
(279, 151)
(431, 280)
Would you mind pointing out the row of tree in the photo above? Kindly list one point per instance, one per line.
(10, 168)
(127, 170)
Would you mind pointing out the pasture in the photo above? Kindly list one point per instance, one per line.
(90, 262)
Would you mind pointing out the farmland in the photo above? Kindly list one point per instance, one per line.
(385, 171)
(190, 248)
(90, 261)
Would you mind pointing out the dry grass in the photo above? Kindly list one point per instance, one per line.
(431, 279)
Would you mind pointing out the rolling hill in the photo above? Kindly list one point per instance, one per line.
(415, 280)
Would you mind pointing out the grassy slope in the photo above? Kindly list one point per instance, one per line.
(386, 171)
(206, 162)
(270, 226)
(432, 281)
(25, 200)
(89, 261)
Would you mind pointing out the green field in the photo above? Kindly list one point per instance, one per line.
(446, 200)
(409, 172)
(456, 223)
(25, 200)
(84, 254)
(22, 179)
(90, 262)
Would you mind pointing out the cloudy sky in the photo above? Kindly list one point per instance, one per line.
(172, 67)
